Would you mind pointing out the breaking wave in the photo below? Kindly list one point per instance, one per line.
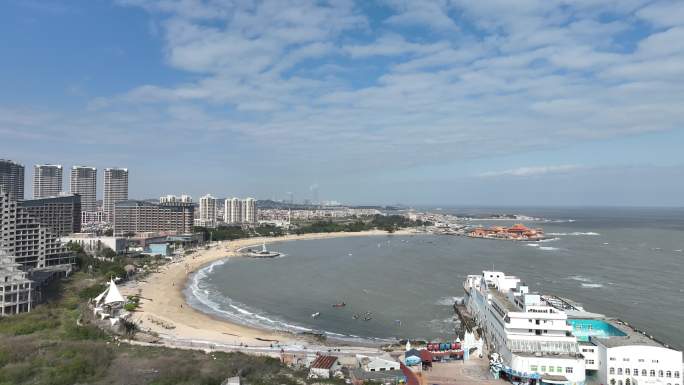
(576, 233)
(592, 285)
(200, 296)
(547, 248)
(448, 301)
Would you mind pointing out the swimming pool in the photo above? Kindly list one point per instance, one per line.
(585, 328)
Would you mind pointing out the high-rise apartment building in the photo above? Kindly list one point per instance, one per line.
(12, 179)
(61, 215)
(207, 206)
(47, 180)
(16, 290)
(30, 243)
(249, 211)
(240, 210)
(140, 216)
(233, 207)
(84, 183)
(115, 190)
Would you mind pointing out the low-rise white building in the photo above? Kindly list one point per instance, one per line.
(324, 367)
(377, 364)
(92, 243)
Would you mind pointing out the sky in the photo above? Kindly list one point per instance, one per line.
(445, 102)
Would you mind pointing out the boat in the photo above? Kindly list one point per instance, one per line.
(341, 304)
(316, 314)
(367, 318)
(355, 316)
(263, 253)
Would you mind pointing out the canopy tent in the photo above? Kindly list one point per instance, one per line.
(109, 296)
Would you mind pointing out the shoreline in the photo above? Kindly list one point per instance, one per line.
(163, 299)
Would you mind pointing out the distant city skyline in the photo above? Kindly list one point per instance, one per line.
(414, 102)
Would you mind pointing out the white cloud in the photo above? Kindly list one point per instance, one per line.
(532, 171)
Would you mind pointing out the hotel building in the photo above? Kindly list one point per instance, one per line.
(47, 180)
(29, 242)
(16, 290)
(139, 216)
(84, 183)
(544, 339)
(61, 215)
(173, 199)
(115, 190)
(12, 179)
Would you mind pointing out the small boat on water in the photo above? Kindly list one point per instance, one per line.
(338, 305)
(316, 314)
(356, 316)
(263, 253)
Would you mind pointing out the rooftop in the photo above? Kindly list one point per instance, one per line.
(632, 337)
(324, 362)
(503, 300)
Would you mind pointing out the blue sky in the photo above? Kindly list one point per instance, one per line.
(447, 102)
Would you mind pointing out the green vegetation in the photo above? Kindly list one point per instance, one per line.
(47, 346)
(389, 223)
(229, 233)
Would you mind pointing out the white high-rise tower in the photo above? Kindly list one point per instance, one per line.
(84, 183)
(207, 217)
(47, 180)
(115, 190)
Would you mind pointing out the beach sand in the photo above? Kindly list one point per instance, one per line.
(163, 300)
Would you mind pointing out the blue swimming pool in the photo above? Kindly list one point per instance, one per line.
(585, 328)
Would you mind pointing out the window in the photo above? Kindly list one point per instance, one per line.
(641, 360)
(636, 372)
(627, 371)
(643, 372)
(568, 369)
(559, 369)
(589, 362)
(612, 358)
(551, 369)
(628, 382)
(654, 361)
(660, 373)
(652, 373)
(543, 368)
(619, 382)
(668, 374)
(612, 381)
(611, 371)
(625, 359)
(619, 371)
(533, 368)
(676, 374)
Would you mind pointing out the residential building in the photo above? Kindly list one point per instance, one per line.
(233, 212)
(61, 215)
(140, 216)
(16, 290)
(115, 190)
(249, 211)
(207, 216)
(47, 180)
(29, 242)
(12, 179)
(92, 243)
(84, 183)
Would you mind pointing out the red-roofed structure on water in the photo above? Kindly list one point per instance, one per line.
(517, 231)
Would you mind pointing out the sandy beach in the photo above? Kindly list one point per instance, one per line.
(164, 310)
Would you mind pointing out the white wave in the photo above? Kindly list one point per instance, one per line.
(448, 301)
(592, 285)
(547, 248)
(579, 278)
(548, 240)
(198, 294)
(533, 244)
(576, 233)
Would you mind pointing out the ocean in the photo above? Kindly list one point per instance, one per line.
(622, 262)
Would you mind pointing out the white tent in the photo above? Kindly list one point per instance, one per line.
(113, 295)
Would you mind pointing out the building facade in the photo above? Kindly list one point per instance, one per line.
(140, 216)
(84, 183)
(207, 215)
(30, 243)
(173, 199)
(47, 180)
(16, 290)
(61, 215)
(12, 179)
(92, 243)
(249, 211)
(115, 190)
